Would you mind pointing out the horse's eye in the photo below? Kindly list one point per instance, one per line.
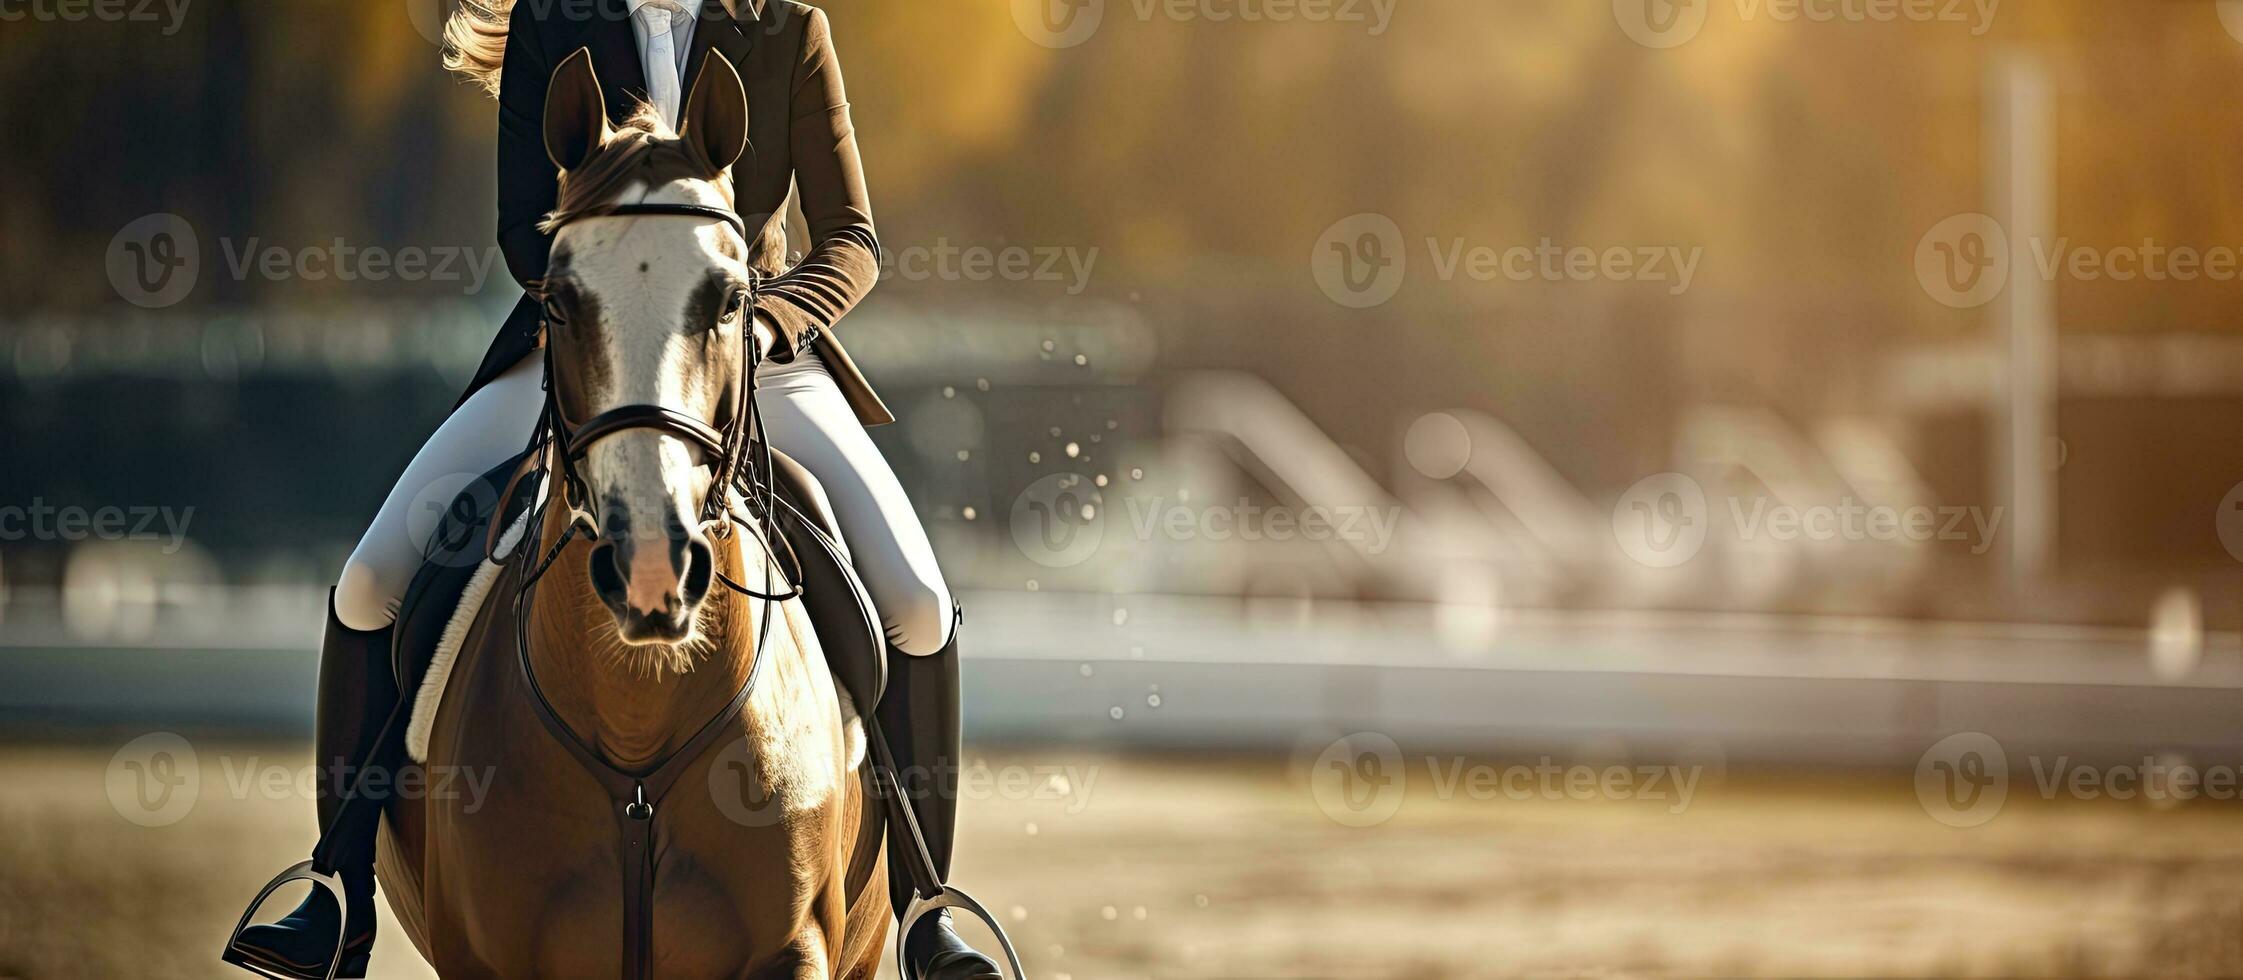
(736, 305)
(555, 311)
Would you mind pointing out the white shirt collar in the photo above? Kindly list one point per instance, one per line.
(692, 7)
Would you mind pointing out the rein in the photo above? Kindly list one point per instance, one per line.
(734, 451)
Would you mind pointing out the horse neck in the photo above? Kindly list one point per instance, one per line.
(632, 715)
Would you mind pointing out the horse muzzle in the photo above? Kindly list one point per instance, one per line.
(652, 584)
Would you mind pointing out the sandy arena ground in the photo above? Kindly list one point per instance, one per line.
(1175, 867)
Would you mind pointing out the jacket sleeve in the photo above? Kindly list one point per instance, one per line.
(528, 183)
(844, 259)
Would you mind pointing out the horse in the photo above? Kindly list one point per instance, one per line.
(676, 783)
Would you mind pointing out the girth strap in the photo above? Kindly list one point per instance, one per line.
(634, 794)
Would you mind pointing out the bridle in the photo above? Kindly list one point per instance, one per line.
(572, 441)
(560, 443)
(741, 460)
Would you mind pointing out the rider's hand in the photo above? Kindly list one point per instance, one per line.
(764, 334)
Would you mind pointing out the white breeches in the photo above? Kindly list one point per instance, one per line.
(805, 417)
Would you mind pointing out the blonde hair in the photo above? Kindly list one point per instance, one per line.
(475, 41)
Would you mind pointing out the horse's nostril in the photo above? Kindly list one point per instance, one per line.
(700, 569)
(607, 573)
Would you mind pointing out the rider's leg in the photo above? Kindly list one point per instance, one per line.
(489, 427)
(806, 417)
(357, 729)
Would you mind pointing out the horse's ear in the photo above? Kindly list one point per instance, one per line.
(575, 112)
(716, 114)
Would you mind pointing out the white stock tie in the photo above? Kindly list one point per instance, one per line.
(662, 20)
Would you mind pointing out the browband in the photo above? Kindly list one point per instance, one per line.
(726, 215)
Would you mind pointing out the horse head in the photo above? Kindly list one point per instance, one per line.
(648, 301)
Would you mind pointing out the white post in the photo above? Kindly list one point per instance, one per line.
(2021, 190)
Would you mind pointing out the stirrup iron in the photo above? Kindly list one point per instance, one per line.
(951, 897)
(301, 871)
(930, 894)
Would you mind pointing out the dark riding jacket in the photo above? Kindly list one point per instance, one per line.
(799, 133)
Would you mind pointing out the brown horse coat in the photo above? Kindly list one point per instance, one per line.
(767, 861)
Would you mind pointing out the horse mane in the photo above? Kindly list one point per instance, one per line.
(644, 150)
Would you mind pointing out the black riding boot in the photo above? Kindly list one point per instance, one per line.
(358, 730)
(919, 715)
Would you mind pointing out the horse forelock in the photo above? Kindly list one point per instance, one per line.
(643, 151)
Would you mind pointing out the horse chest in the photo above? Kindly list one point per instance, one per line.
(529, 877)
